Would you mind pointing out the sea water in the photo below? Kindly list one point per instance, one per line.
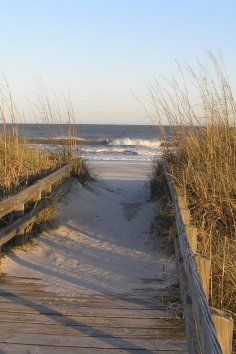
(105, 142)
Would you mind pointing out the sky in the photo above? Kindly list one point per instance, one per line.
(106, 52)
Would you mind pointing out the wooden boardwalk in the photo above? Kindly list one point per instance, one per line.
(35, 321)
(93, 284)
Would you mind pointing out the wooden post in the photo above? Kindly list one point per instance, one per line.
(186, 216)
(20, 210)
(190, 327)
(192, 236)
(224, 327)
(182, 201)
(204, 270)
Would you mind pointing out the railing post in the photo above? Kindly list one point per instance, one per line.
(224, 327)
(20, 210)
(192, 236)
(182, 201)
(186, 216)
(204, 269)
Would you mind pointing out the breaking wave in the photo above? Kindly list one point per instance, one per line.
(108, 149)
(136, 142)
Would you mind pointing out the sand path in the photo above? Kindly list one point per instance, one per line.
(103, 243)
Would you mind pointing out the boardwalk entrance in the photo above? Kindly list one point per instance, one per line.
(99, 282)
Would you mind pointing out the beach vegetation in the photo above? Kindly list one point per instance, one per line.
(22, 163)
(201, 158)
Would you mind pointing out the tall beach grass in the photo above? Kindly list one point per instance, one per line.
(201, 157)
(21, 163)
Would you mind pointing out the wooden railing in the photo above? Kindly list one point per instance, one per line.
(16, 203)
(208, 331)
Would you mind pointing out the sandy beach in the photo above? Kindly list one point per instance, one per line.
(126, 170)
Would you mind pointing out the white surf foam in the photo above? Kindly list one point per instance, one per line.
(136, 142)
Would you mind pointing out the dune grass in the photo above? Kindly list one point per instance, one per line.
(201, 157)
(21, 163)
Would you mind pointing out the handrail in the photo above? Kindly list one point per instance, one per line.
(31, 193)
(23, 223)
(203, 322)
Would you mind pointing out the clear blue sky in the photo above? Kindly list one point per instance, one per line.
(103, 50)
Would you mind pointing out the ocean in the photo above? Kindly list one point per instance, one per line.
(103, 141)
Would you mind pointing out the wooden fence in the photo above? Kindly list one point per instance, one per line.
(16, 203)
(208, 330)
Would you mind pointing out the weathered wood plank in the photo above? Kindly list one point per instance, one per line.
(124, 332)
(186, 216)
(204, 270)
(25, 221)
(92, 342)
(86, 311)
(43, 349)
(191, 232)
(37, 293)
(224, 326)
(189, 320)
(20, 210)
(84, 320)
(70, 303)
(32, 192)
(5, 277)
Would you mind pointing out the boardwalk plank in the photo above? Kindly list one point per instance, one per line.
(34, 349)
(94, 321)
(92, 342)
(70, 304)
(122, 332)
(165, 312)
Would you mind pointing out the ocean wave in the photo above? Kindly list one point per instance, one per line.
(154, 144)
(126, 149)
(136, 142)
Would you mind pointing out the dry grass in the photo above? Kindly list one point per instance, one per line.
(20, 164)
(202, 163)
